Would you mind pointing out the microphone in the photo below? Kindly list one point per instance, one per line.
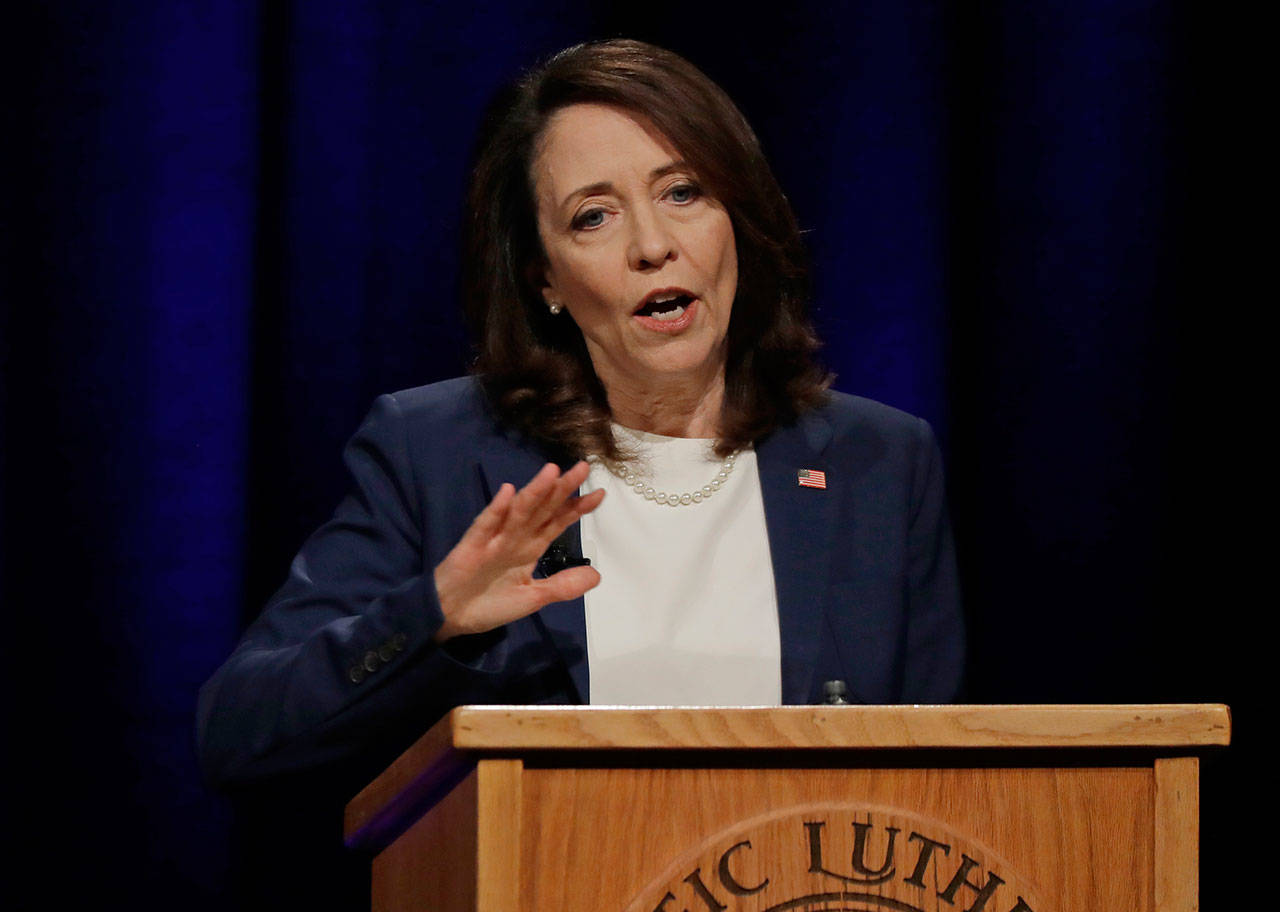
(835, 693)
(560, 554)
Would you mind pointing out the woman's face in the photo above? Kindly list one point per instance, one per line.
(641, 258)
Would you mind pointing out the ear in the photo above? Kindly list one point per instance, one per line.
(535, 274)
(538, 275)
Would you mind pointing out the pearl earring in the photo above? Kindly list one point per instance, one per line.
(554, 307)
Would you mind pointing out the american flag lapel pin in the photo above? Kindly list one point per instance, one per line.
(811, 478)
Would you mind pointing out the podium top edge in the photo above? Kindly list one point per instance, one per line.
(469, 733)
(516, 728)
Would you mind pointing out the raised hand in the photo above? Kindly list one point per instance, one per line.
(487, 579)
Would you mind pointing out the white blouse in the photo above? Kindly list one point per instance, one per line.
(686, 613)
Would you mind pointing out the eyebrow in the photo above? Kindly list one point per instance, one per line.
(606, 186)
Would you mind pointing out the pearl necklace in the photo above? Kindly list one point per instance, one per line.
(648, 492)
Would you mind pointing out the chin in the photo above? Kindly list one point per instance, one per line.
(681, 364)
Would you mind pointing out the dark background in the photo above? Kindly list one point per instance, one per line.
(229, 226)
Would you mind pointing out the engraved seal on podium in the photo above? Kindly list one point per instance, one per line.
(840, 858)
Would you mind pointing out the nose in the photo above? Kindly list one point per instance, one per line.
(652, 243)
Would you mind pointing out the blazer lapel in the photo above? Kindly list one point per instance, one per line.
(800, 525)
(563, 624)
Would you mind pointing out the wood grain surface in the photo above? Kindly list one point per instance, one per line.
(435, 857)
(821, 727)
(498, 823)
(426, 770)
(464, 853)
(1177, 834)
(602, 838)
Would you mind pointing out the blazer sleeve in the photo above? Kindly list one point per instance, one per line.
(935, 635)
(342, 657)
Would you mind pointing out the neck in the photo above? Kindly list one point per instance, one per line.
(675, 408)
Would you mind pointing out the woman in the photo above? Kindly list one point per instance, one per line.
(645, 395)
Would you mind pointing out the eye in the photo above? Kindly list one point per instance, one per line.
(585, 221)
(684, 193)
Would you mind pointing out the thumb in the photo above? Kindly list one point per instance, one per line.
(567, 584)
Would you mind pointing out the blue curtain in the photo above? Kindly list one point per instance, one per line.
(234, 224)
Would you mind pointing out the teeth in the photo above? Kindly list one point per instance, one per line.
(665, 298)
(672, 314)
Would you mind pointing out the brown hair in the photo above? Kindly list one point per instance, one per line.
(535, 367)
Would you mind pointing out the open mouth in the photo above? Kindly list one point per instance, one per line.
(664, 306)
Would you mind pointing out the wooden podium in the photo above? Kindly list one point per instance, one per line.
(880, 808)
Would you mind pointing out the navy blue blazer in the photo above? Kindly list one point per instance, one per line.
(341, 662)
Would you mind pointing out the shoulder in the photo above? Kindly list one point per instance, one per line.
(446, 428)
(888, 457)
(875, 448)
(856, 419)
(457, 399)
(428, 424)
(881, 446)
(447, 410)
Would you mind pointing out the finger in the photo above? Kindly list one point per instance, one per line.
(563, 492)
(535, 493)
(574, 476)
(585, 504)
(492, 517)
(571, 511)
(545, 498)
(567, 584)
(568, 514)
(569, 483)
